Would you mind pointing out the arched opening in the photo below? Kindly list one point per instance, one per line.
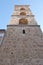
(22, 9)
(23, 21)
(22, 13)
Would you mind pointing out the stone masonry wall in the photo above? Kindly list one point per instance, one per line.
(20, 48)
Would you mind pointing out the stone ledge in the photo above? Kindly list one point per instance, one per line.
(24, 25)
(23, 15)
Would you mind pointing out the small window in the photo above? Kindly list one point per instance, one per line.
(23, 31)
(22, 13)
(22, 9)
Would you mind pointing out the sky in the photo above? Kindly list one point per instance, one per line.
(7, 8)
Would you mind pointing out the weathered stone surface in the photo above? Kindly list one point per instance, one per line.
(21, 48)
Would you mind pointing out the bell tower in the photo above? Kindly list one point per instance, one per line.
(22, 15)
(22, 43)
